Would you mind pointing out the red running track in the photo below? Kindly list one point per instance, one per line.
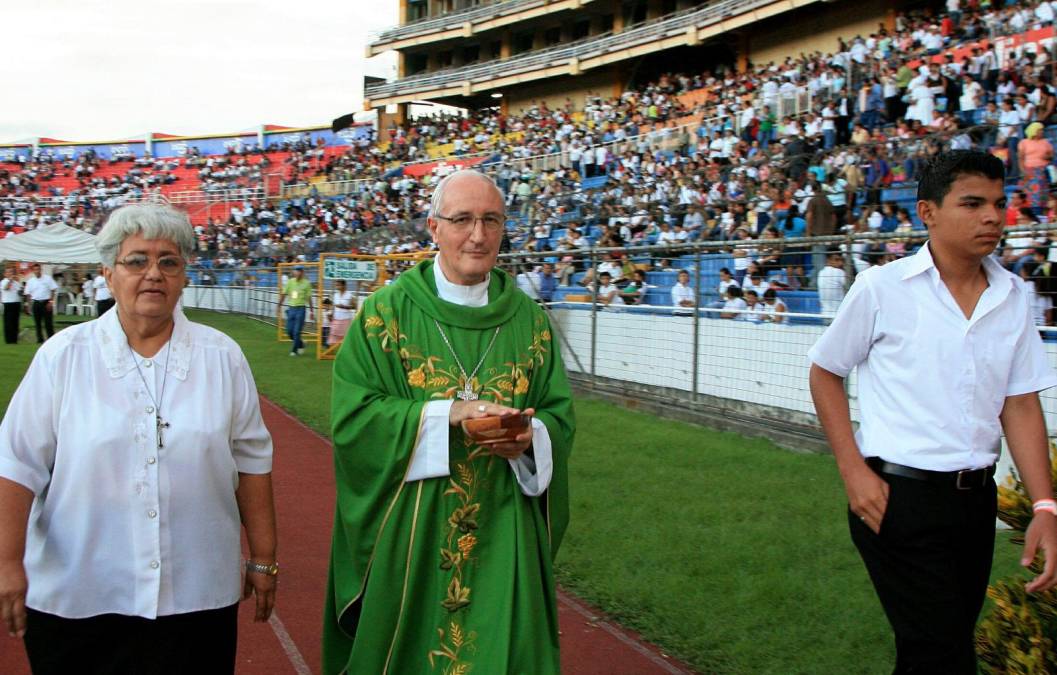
(289, 644)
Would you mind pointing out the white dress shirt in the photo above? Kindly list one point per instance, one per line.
(102, 291)
(830, 289)
(430, 459)
(10, 290)
(931, 382)
(41, 288)
(120, 524)
(681, 291)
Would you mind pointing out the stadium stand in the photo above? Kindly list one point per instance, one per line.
(690, 157)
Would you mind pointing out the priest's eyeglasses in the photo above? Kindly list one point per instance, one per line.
(169, 265)
(464, 222)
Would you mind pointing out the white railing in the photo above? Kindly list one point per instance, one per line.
(455, 19)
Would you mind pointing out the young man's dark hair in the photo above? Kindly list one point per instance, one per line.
(770, 293)
(734, 291)
(940, 172)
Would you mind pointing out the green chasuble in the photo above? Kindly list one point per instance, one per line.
(447, 575)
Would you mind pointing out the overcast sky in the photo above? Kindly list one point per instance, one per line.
(100, 70)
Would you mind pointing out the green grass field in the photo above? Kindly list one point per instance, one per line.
(730, 553)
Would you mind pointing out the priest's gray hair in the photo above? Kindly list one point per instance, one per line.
(152, 221)
(438, 192)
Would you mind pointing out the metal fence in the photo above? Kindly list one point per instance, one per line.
(745, 364)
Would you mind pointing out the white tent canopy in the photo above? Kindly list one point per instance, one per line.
(55, 243)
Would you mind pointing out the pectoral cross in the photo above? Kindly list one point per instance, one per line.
(467, 393)
(161, 424)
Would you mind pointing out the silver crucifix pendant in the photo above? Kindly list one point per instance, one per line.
(161, 424)
(467, 393)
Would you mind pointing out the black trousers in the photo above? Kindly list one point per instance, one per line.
(930, 565)
(103, 305)
(42, 315)
(114, 644)
(11, 312)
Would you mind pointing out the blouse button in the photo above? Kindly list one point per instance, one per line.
(150, 409)
(148, 363)
(154, 564)
(152, 514)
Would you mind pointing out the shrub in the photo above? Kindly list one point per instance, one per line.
(1019, 635)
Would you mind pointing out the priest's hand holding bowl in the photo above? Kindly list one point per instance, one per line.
(507, 448)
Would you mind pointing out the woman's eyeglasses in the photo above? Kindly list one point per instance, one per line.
(169, 265)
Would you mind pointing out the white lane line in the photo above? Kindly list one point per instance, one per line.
(596, 620)
(287, 642)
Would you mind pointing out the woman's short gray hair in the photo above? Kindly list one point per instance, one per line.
(152, 221)
(438, 192)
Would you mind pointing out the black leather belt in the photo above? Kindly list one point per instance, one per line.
(967, 479)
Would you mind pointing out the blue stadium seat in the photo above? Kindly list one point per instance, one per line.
(594, 183)
(659, 297)
(801, 302)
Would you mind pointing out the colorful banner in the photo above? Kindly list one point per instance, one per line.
(206, 146)
(11, 153)
(126, 150)
(353, 134)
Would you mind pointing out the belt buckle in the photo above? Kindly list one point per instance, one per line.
(964, 472)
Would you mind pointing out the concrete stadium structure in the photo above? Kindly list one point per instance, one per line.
(475, 53)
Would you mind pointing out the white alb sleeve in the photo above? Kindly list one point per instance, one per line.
(534, 472)
(430, 457)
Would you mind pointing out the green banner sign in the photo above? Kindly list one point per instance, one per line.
(349, 270)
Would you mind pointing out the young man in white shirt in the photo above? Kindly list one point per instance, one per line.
(683, 295)
(41, 290)
(948, 359)
(831, 283)
(608, 294)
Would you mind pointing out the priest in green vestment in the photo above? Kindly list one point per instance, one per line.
(442, 553)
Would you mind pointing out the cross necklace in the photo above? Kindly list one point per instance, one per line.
(467, 393)
(159, 423)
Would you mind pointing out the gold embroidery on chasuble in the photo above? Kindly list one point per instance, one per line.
(439, 379)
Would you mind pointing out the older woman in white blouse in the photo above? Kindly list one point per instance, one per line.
(129, 456)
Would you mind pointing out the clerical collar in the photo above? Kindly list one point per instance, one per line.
(468, 296)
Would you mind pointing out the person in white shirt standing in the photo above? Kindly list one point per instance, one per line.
(11, 296)
(103, 299)
(948, 359)
(831, 283)
(41, 291)
(121, 512)
(344, 303)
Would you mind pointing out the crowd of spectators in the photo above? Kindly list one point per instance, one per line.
(803, 147)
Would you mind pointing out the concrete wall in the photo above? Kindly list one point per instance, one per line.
(815, 28)
(745, 370)
(750, 374)
(555, 91)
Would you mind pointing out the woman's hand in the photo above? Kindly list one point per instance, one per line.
(263, 586)
(13, 586)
